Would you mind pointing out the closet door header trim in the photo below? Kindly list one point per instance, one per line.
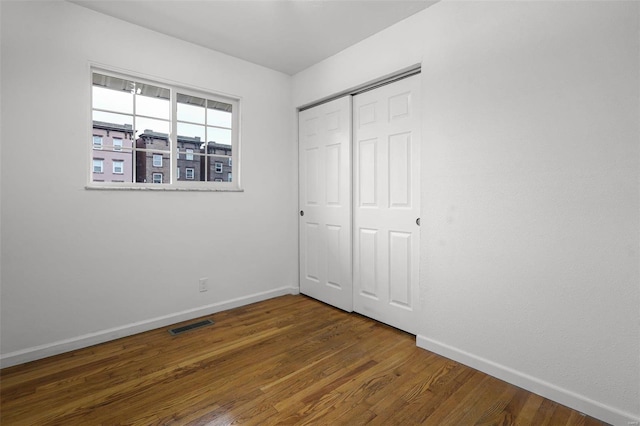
(388, 79)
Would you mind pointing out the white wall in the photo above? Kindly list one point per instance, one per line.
(65, 285)
(530, 189)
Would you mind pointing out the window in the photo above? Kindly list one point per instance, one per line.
(118, 167)
(97, 142)
(210, 124)
(169, 127)
(98, 165)
(228, 177)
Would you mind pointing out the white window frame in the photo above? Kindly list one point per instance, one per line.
(153, 178)
(96, 138)
(121, 163)
(155, 157)
(170, 180)
(101, 164)
(189, 154)
(117, 147)
(217, 167)
(186, 173)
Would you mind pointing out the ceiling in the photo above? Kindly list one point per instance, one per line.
(285, 35)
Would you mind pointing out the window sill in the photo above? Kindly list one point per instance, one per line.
(153, 188)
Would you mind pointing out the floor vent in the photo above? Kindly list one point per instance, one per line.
(184, 328)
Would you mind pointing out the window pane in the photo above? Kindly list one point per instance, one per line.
(216, 117)
(113, 100)
(188, 153)
(219, 169)
(145, 168)
(148, 124)
(191, 131)
(98, 165)
(153, 102)
(121, 160)
(190, 170)
(117, 144)
(97, 142)
(221, 152)
(190, 108)
(118, 167)
(221, 136)
(111, 119)
(152, 134)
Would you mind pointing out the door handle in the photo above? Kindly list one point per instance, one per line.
(301, 212)
(418, 221)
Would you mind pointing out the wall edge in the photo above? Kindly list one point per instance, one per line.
(43, 351)
(548, 390)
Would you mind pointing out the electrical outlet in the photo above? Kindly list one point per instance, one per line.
(204, 285)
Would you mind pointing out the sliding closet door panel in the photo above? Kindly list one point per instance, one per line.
(386, 165)
(325, 203)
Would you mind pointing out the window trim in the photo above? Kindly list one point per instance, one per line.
(113, 167)
(97, 146)
(117, 148)
(186, 173)
(93, 165)
(171, 181)
(153, 178)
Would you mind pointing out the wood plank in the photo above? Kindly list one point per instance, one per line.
(288, 360)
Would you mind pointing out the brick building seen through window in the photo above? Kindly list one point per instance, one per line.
(113, 144)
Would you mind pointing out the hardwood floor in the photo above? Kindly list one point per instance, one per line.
(290, 360)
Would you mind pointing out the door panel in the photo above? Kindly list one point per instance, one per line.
(311, 262)
(400, 268)
(367, 172)
(368, 243)
(325, 199)
(386, 163)
(400, 170)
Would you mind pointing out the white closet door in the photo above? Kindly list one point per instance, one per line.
(387, 203)
(325, 203)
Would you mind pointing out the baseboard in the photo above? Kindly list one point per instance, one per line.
(565, 397)
(55, 348)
